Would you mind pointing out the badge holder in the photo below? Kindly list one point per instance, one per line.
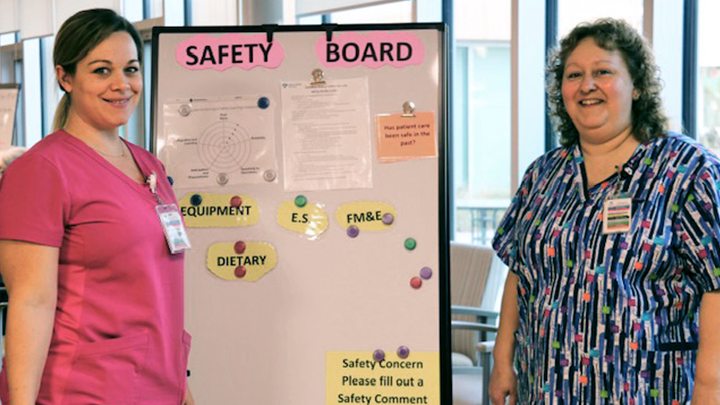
(617, 214)
(173, 227)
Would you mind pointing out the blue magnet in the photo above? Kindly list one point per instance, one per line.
(196, 199)
(171, 181)
(263, 102)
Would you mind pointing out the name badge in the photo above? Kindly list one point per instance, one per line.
(617, 214)
(173, 227)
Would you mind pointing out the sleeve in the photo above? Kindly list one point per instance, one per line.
(505, 240)
(700, 229)
(34, 202)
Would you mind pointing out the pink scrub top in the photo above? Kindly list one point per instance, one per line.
(118, 336)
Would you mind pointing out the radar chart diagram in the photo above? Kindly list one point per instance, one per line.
(224, 147)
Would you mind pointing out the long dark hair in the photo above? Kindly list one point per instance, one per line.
(78, 36)
(648, 118)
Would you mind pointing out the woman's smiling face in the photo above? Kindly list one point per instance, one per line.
(598, 92)
(107, 84)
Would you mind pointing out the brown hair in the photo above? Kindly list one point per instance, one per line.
(648, 118)
(78, 36)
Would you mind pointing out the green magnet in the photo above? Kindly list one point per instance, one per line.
(410, 244)
(300, 201)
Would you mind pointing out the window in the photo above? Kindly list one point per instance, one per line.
(481, 117)
(7, 39)
(32, 92)
(573, 12)
(391, 12)
(397, 12)
(708, 90)
(310, 20)
(51, 89)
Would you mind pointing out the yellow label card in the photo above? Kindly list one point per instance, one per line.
(310, 220)
(206, 210)
(366, 215)
(254, 261)
(356, 378)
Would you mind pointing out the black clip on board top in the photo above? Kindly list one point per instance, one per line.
(329, 31)
(269, 31)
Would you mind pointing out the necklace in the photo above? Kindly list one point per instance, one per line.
(121, 155)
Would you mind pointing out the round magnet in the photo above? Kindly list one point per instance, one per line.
(269, 175)
(263, 102)
(236, 201)
(426, 273)
(171, 181)
(353, 231)
(223, 178)
(184, 110)
(196, 199)
(240, 247)
(300, 201)
(410, 244)
(388, 218)
(403, 352)
(379, 355)
(240, 271)
(416, 282)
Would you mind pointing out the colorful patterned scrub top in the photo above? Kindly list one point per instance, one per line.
(613, 318)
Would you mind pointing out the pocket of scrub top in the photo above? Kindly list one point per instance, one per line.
(187, 340)
(106, 372)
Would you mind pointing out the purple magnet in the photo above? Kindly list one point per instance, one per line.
(240, 271)
(379, 355)
(240, 247)
(353, 231)
(416, 282)
(403, 352)
(388, 218)
(236, 201)
(426, 273)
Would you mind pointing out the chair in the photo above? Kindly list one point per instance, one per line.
(476, 280)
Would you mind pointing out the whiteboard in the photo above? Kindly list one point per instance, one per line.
(308, 330)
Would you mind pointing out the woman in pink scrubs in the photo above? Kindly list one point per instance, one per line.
(96, 296)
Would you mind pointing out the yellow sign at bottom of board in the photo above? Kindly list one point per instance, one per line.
(355, 377)
(257, 259)
(309, 220)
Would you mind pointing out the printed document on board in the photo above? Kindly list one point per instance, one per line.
(326, 135)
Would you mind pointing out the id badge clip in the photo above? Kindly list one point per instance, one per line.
(617, 214)
(173, 227)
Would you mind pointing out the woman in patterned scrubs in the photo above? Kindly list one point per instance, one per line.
(613, 243)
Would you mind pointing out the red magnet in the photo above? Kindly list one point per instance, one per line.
(240, 271)
(240, 247)
(416, 282)
(236, 201)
